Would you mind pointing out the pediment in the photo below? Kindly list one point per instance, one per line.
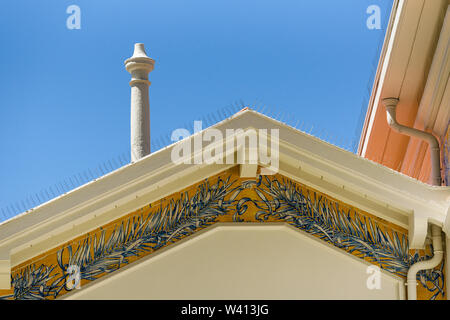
(223, 198)
(357, 206)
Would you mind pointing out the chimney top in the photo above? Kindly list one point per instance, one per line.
(139, 50)
(139, 60)
(139, 65)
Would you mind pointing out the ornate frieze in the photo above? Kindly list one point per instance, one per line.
(224, 198)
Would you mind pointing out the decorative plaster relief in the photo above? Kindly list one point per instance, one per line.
(224, 198)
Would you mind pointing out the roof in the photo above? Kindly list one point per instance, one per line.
(341, 174)
(413, 67)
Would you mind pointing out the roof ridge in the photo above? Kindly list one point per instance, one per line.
(93, 173)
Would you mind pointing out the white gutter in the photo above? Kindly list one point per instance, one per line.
(436, 231)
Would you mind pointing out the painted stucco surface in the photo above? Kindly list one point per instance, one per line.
(223, 198)
(235, 261)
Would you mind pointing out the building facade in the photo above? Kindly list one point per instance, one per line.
(318, 223)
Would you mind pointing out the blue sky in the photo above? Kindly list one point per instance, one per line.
(65, 98)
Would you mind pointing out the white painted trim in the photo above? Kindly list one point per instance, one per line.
(380, 76)
(248, 170)
(364, 184)
(434, 108)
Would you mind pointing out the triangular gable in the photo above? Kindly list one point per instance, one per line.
(223, 198)
(391, 198)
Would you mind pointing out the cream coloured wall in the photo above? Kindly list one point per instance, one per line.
(244, 261)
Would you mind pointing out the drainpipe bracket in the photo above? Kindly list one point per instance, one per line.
(413, 283)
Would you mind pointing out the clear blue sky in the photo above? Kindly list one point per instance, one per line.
(65, 98)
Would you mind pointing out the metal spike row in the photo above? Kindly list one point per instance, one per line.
(10, 213)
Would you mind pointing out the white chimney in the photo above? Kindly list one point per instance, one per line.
(139, 65)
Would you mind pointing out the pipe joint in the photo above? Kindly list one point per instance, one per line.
(390, 105)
